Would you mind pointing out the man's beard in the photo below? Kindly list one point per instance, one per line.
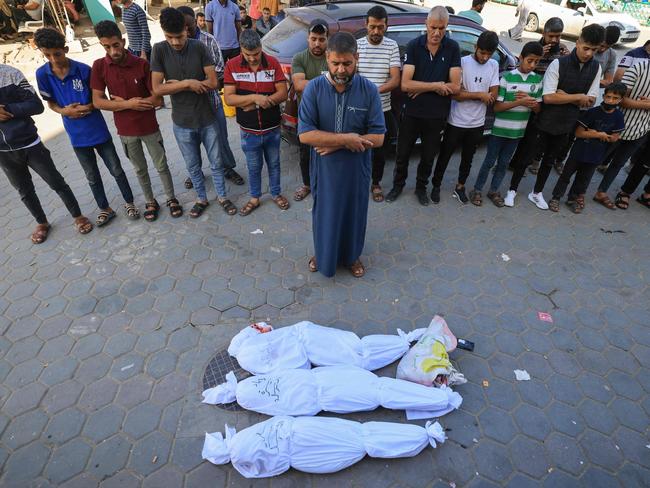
(342, 80)
(375, 39)
(317, 52)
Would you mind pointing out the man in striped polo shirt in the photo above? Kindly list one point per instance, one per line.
(135, 22)
(520, 92)
(379, 62)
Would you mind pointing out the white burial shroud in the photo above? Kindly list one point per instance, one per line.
(339, 389)
(315, 444)
(304, 344)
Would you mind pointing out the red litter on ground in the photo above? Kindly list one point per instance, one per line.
(545, 317)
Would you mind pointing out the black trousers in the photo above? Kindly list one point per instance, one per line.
(230, 53)
(430, 133)
(379, 153)
(583, 174)
(468, 139)
(640, 168)
(550, 145)
(305, 156)
(16, 165)
(623, 151)
(526, 147)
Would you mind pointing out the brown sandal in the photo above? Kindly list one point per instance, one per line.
(377, 193)
(604, 201)
(476, 198)
(281, 202)
(228, 206)
(248, 208)
(357, 269)
(39, 236)
(312, 264)
(83, 225)
(578, 205)
(622, 200)
(496, 198)
(301, 193)
(554, 205)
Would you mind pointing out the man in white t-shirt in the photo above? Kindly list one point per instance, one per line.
(479, 88)
(379, 61)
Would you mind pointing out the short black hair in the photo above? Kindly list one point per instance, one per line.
(107, 28)
(593, 34)
(342, 43)
(617, 88)
(185, 10)
(488, 41)
(266, 8)
(377, 12)
(450, 10)
(172, 20)
(554, 24)
(532, 48)
(476, 3)
(49, 38)
(200, 14)
(612, 34)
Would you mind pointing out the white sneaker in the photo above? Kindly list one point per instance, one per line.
(538, 199)
(509, 200)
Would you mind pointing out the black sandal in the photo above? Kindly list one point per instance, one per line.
(235, 177)
(228, 206)
(104, 217)
(622, 200)
(151, 211)
(132, 211)
(643, 201)
(198, 209)
(175, 209)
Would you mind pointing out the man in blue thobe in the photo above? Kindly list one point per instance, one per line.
(341, 117)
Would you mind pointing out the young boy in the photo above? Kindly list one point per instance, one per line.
(65, 85)
(128, 80)
(479, 86)
(246, 20)
(597, 129)
(200, 21)
(520, 92)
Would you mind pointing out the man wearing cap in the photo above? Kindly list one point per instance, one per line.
(307, 65)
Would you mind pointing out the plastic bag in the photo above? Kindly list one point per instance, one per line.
(315, 444)
(428, 361)
(304, 344)
(340, 389)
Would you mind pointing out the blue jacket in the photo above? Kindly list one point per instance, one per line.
(18, 98)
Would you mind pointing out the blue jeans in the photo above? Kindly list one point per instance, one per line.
(257, 149)
(88, 160)
(189, 142)
(499, 150)
(226, 153)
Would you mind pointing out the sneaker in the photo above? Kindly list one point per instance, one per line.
(435, 194)
(422, 197)
(509, 200)
(393, 194)
(459, 193)
(538, 199)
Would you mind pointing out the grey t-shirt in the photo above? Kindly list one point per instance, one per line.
(607, 61)
(189, 110)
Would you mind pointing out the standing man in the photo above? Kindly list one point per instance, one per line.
(475, 12)
(522, 12)
(430, 77)
(606, 56)
(184, 69)
(255, 84)
(135, 22)
(305, 66)
(211, 43)
(224, 23)
(632, 57)
(128, 81)
(340, 116)
(379, 61)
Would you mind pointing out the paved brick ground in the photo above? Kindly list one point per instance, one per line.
(105, 337)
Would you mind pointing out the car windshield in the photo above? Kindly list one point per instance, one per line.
(605, 6)
(288, 38)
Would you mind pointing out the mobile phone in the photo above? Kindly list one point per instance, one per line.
(465, 344)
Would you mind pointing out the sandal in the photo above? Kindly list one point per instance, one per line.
(645, 201)
(151, 211)
(39, 235)
(228, 206)
(476, 198)
(357, 269)
(578, 205)
(198, 209)
(235, 177)
(377, 193)
(554, 205)
(604, 201)
(622, 200)
(175, 209)
(496, 198)
(104, 217)
(301, 193)
(312, 264)
(281, 202)
(188, 184)
(83, 225)
(248, 208)
(132, 211)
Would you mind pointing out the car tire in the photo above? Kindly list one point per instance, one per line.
(533, 23)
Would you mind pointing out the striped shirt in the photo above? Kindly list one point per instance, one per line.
(135, 22)
(214, 49)
(375, 62)
(511, 124)
(637, 120)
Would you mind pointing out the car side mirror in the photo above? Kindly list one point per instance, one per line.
(581, 11)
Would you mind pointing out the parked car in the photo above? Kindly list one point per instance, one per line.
(406, 22)
(583, 12)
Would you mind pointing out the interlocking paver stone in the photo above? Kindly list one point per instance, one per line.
(25, 464)
(24, 429)
(64, 426)
(103, 423)
(109, 456)
(67, 461)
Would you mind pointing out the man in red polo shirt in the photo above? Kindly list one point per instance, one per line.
(256, 86)
(128, 80)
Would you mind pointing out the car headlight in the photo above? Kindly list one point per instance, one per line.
(619, 25)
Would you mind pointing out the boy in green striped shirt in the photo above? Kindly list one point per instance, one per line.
(520, 91)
